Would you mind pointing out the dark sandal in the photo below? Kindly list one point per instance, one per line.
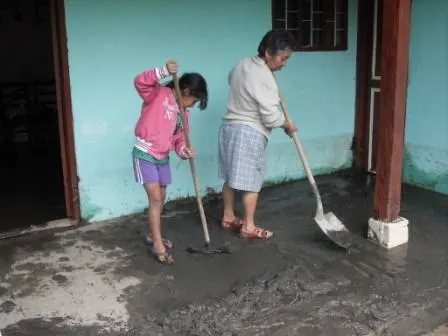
(163, 257)
(166, 242)
(256, 233)
(236, 224)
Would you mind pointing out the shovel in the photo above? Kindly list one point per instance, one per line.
(206, 249)
(328, 222)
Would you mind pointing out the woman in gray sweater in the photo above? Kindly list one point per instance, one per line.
(252, 112)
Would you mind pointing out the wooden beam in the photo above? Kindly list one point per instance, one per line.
(395, 50)
(64, 107)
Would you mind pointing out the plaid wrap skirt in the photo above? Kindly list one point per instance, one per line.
(242, 157)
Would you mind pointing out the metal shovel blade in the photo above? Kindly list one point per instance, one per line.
(335, 230)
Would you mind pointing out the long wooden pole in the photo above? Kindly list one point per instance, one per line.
(191, 160)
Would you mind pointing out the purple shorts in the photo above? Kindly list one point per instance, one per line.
(148, 172)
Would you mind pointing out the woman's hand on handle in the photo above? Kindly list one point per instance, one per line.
(289, 128)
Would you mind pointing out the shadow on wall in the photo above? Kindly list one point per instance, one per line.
(435, 177)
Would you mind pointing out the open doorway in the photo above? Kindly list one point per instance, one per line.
(37, 165)
(370, 23)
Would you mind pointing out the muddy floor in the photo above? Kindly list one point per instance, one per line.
(101, 280)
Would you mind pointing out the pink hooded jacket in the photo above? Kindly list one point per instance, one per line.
(156, 130)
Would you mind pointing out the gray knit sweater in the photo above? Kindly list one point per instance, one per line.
(253, 96)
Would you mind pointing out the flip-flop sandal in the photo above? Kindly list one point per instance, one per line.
(163, 257)
(256, 233)
(166, 242)
(236, 224)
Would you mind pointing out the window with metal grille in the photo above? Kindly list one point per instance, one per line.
(317, 25)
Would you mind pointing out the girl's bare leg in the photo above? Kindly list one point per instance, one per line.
(156, 196)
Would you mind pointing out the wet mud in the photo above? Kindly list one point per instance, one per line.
(298, 283)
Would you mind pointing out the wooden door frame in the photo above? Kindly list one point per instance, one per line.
(366, 12)
(363, 65)
(64, 106)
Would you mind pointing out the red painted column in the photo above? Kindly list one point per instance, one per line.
(395, 55)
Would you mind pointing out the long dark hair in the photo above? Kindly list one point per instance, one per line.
(197, 86)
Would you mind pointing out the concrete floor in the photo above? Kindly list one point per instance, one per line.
(100, 279)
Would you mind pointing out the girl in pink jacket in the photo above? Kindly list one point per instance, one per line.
(158, 132)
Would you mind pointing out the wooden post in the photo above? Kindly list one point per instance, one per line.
(396, 29)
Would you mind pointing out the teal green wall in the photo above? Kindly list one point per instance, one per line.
(426, 155)
(109, 42)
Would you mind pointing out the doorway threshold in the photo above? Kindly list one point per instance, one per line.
(51, 225)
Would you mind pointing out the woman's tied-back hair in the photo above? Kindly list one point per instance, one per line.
(274, 42)
(197, 86)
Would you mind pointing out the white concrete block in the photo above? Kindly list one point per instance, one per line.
(389, 235)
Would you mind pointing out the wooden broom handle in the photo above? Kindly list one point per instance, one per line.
(185, 126)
